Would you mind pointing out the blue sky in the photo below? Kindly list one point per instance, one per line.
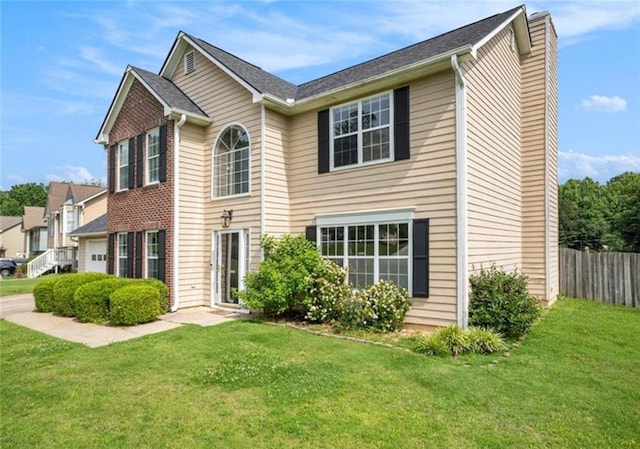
(62, 61)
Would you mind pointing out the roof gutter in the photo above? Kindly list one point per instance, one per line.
(294, 105)
(462, 266)
(176, 211)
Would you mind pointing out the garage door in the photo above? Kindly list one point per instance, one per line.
(97, 256)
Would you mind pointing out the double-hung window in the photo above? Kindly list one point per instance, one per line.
(362, 132)
(152, 254)
(372, 252)
(123, 253)
(123, 165)
(153, 156)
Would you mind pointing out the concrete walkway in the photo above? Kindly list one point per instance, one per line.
(19, 309)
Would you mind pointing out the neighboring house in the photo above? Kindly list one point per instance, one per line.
(419, 166)
(11, 237)
(35, 231)
(68, 206)
(92, 245)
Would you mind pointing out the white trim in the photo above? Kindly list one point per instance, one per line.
(244, 262)
(462, 265)
(365, 217)
(498, 29)
(119, 165)
(175, 241)
(146, 251)
(359, 133)
(547, 212)
(263, 207)
(186, 68)
(146, 156)
(213, 162)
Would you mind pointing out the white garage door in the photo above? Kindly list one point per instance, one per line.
(96, 256)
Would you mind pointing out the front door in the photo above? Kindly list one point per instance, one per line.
(229, 265)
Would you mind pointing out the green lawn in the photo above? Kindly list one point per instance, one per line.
(574, 383)
(13, 286)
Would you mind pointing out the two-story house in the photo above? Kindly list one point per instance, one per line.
(418, 166)
(68, 207)
(35, 231)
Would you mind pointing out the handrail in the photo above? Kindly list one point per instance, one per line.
(43, 260)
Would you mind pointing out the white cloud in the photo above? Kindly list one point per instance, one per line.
(574, 164)
(72, 173)
(601, 103)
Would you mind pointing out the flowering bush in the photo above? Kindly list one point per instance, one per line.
(381, 307)
(328, 292)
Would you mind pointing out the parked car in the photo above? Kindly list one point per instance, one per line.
(7, 267)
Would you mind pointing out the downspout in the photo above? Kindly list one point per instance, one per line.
(263, 211)
(176, 210)
(462, 269)
(547, 213)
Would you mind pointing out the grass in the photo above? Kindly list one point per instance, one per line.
(14, 286)
(573, 383)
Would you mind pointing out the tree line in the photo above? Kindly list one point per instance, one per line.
(601, 217)
(12, 201)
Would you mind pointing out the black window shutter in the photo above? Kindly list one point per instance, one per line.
(310, 233)
(112, 168)
(140, 160)
(162, 176)
(110, 252)
(323, 141)
(129, 254)
(132, 162)
(421, 258)
(138, 270)
(401, 123)
(162, 251)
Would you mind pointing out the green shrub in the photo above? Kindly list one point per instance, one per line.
(485, 341)
(162, 289)
(43, 293)
(92, 299)
(134, 304)
(283, 282)
(64, 291)
(500, 301)
(381, 307)
(329, 291)
(453, 340)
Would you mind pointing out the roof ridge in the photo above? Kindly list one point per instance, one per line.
(368, 61)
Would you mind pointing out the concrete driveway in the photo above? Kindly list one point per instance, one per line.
(19, 309)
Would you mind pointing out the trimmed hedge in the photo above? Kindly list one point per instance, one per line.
(134, 304)
(162, 289)
(92, 299)
(64, 291)
(43, 292)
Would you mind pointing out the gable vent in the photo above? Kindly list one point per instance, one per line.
(189, 62)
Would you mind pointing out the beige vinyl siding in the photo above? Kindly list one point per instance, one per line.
(12, 240)
(83, 254)
(493, 155)
(226, 102)
(553, 282)
(533, 160)
(93, 209)
(195, 235)
(276, 183)
(425, 182)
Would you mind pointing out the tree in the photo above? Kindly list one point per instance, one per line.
(583, 214)
(20, 195)
(624, 217)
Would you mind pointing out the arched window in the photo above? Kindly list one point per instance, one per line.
(231, 162)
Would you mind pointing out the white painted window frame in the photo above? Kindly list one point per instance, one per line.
(214, 163)
(147, 253)
(360, 132)
(124, 144)
(123, 236)
(148, 157)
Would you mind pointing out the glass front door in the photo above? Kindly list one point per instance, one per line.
(230, 265)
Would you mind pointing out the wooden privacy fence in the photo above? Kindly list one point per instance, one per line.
(605, 277)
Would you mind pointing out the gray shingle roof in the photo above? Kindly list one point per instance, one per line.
(97, 226)
(267, 83)
(260, 80)
(169, 92)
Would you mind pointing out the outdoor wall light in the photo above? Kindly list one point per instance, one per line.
(226, 217)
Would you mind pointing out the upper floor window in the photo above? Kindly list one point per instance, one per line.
(71, 219)
(123, 165)
(231, 162)
(362, 132)
(153, 156)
